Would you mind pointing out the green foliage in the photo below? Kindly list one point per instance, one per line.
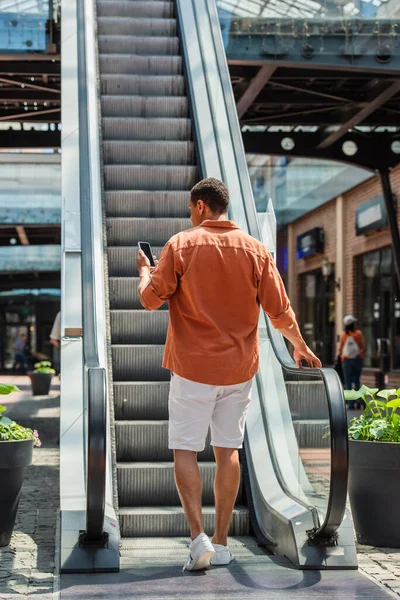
(10, 430)
(380, 421)
(44, 366)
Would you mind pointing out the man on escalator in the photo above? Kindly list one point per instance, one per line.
(214, 276)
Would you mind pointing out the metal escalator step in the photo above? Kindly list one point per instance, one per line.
(125, 231)
(127, 44)
(164, 521)
(129, 26)
(136, 128)
(139, 326)
(154, 177)
(136, 65)
(153, 484)
(154, 153)
(122, 260)
(307, 399)
(310, 433)
(138, 363)
(175, 107)
(140, 399)
(146, 441)
(124, 294)
(154, 9)
(147, 204)
(143, 85)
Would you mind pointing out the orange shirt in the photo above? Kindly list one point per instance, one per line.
(215, 277)
(358, 338)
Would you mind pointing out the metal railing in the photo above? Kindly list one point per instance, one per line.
(337, 412)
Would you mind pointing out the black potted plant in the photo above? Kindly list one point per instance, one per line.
(41, 377)
(16, 444)
(374, 475)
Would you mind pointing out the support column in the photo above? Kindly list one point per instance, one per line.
(292, 279)
(339, 267)
(392, 218)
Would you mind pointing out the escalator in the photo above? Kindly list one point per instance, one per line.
(167, 119)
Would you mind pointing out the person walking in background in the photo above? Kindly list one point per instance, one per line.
(351, 350)
(214, 277)
(22, 354)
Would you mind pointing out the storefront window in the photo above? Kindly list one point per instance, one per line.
(379, 309)
(318, 314)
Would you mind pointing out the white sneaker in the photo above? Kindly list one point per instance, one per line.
(222, 556)
(201, 551)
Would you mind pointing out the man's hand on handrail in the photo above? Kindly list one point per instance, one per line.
(301, 350)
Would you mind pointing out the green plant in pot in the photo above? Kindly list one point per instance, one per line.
(41, 377)
(16, 445)
(374, 476)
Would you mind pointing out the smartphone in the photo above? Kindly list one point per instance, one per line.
(145, 246)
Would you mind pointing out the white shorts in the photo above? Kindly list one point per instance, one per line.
(194, 407)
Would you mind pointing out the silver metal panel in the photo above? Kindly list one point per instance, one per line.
(146, 129)
(143, 152)
(126, 64)
(139, 399)
(159, 85)
(140, 106)
(139, 326)
(138, 363)
(154, 9)
(124, 293)
(125, 231)
(170, 521)
(126, 203)
(130, 177)
(127, 44)
(131, 26)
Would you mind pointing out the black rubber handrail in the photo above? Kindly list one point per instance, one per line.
(95, 388)
(337, 411)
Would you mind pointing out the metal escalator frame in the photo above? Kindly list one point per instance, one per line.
(336, 407)
(95, 376)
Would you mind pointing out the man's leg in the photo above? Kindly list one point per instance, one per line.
(188, 482)
(226, 486)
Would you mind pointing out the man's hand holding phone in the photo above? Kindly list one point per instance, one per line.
(145, 257)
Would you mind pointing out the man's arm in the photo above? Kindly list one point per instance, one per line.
(157, 287)
(274, 300)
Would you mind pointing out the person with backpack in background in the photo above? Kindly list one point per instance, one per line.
(351, 349)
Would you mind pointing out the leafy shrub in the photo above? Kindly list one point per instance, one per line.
(44, 366)
(10, 430)
(380, 421)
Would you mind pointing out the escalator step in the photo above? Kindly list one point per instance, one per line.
(127, 44)
(125, 231)
(147, 204)
(138, 363)
(124, 294)
(140, 106)
(142, 85)
(136, 65)
(139, 399)
(154, 9)
(153, 484)
(142, 27)
(136, 128)
(122, 260)
(310, 433)
(165, 521)
(140, 177)
(146, 441)
(148, 153)
(139, 326)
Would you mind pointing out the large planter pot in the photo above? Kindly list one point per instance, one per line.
(374, 490)
(14, 457)
(40, 383)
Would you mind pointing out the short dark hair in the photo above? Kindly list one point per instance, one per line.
(213, 192)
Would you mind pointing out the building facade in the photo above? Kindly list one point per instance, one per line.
(340, 261)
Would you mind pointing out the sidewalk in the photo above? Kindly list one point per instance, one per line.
(27, 565)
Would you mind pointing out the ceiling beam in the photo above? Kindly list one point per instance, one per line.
(23, 238)
(18, 95)
(29, 85)
(28, 114)
(30, 57)
(36, 68)
(255, 87)
(360, 116)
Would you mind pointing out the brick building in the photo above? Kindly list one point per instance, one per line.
(347, 268)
